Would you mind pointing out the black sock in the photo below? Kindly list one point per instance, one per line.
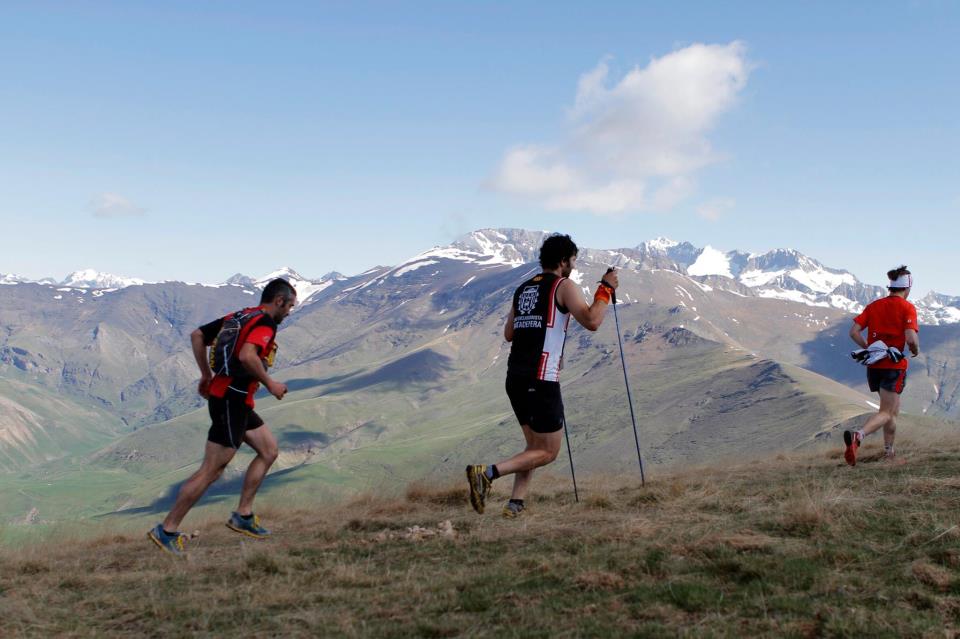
(168, 533)
(518, 502)
(492, 472)
(246, 517)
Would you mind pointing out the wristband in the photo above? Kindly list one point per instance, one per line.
(604, 293)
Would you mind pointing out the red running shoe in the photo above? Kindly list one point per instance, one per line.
(852, 440)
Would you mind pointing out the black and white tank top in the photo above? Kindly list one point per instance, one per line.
(539, 329)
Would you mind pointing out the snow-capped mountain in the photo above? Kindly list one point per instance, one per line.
(91, 279)
(12, 278)
(935, 308)
(786, 274)
(306, 288)
(99, 283)
(780, 273)
(487, 247)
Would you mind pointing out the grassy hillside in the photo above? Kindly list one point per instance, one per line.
(38, 425)
(798, 545)
(426, 414)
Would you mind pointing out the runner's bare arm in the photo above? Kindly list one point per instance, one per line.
(590, 317)
(250, 358)
(508, 327)
(913, 341)
(200, 354)
(856, 334)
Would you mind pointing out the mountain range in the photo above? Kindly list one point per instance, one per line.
(396, 374)
(778, 273)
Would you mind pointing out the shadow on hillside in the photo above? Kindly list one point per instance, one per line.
(224, 489)
(293, 436)
(302, 383)
(422, 367)
(829, 352)
(829, 355)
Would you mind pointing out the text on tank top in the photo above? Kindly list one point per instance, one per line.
(539, 329)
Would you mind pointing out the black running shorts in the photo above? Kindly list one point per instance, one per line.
(231, 418)
(536, 403)
(889, 379)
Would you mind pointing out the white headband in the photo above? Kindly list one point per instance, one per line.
(904, 281)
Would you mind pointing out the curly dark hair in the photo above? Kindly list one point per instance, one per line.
(555, 249)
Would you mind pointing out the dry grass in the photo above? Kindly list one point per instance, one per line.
(799, 545)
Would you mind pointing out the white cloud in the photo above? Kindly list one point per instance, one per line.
(714, 209)
(633, 144)
(533, 170)
(114, 205)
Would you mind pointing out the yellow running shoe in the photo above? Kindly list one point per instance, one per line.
(513, 510)
(249, 526)
(479, 486)
(169, 543)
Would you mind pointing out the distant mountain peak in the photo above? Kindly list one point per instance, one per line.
(660, 244)
(284, 272)
(12, 278)
(239, 279)
(93, 279)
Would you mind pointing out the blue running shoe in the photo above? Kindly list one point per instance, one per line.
(169, 543)
(250, 527)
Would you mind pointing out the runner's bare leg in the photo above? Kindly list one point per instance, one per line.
(215, 459)
(263, 441)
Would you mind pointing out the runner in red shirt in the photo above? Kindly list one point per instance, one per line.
(241, 349)
(892, 320)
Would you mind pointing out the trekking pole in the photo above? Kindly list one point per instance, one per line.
(570, 454)
(623, 361)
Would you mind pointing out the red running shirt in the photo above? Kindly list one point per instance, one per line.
(886, 319)
(260, 337)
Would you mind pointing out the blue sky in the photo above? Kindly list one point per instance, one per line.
(194, 140)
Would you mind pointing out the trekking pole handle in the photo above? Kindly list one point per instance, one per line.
(613, 292)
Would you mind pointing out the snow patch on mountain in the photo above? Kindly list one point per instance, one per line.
(791, 295)
(818, 279)
(711, 262)
(412, 267)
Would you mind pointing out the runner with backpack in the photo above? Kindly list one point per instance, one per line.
(241, 350)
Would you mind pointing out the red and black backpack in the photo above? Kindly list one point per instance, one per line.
(236, 327)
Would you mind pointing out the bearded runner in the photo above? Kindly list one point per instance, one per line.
(536, 327)
(241, 349)
(891, 322)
